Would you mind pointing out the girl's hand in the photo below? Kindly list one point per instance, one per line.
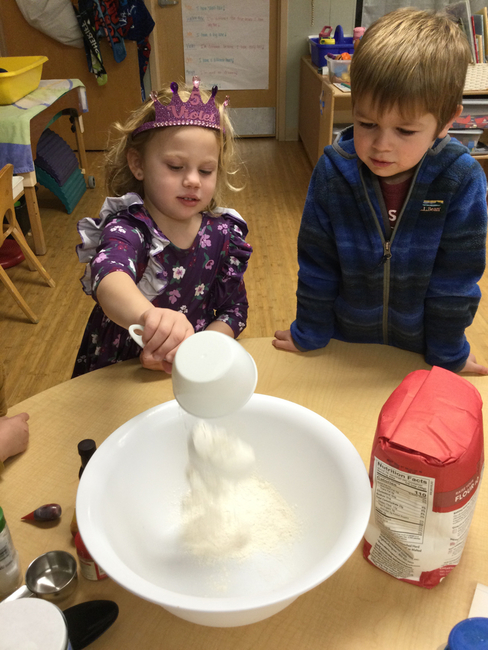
(284, 341)
(473, 367)
(164, 330)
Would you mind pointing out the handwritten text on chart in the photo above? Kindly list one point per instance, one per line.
(227, 44)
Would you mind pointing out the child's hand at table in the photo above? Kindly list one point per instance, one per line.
(473, 367)
(14, 435)
(164, 330)
(284, 341)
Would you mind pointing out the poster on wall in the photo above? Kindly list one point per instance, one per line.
(227, 43)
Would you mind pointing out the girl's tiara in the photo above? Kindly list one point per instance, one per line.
(178, 113)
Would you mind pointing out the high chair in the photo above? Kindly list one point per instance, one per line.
(12, 228)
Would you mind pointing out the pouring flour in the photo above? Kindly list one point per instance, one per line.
(229, 512)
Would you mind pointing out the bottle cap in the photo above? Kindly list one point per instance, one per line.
(2, 520)
(470, 634)
(86, 449)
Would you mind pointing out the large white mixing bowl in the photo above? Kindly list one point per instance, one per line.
(128, 511)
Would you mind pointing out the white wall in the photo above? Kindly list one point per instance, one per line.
(325, 12)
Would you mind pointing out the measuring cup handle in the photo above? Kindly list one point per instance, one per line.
(21, 592)
(137, 337)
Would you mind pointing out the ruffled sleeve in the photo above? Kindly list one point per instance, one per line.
(230, 295)
(124, 238)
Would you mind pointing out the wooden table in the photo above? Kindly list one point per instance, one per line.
(359, 607)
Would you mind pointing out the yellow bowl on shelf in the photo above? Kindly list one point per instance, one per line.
(22, 76)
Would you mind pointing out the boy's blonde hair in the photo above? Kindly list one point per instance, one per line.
(118, 177)
(413, 60)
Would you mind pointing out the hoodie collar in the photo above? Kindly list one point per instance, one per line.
(344, 143)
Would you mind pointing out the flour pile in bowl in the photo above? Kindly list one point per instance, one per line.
(229, 512)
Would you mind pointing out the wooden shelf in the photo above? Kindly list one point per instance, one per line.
(466, 93)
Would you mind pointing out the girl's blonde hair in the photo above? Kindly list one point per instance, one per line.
(118, 177)
(412, 59)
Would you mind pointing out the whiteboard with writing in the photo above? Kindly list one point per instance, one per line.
(227, 44)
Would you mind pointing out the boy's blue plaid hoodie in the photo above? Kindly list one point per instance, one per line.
(416, 289)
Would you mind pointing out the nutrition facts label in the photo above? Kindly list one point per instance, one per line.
(402, 501)
(408, 539)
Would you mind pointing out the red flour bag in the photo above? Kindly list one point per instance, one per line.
(426, 467)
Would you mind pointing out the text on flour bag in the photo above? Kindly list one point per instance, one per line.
(425, 472)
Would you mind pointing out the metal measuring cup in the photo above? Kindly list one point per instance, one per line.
(52, 576)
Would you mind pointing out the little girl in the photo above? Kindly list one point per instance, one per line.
(162, 254)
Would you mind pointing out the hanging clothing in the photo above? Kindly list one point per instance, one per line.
(108, 25)
(86, 18)
(126, 19)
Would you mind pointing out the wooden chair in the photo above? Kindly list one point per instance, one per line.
(12, 227)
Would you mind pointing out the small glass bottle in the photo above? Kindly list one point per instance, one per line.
(86, 449)
(89, 568)
(10, 575)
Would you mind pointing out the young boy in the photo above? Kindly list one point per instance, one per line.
(392, 239)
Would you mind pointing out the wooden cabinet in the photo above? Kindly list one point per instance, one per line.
(321, 106)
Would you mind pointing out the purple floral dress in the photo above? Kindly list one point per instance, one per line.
(205, 281)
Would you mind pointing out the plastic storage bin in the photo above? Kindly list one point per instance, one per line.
(342, 44)
(474, 115)
(316, 36)
(338, 70)
(468, 137)
(22, 75)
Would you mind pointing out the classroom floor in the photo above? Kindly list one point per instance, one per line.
(39, 356)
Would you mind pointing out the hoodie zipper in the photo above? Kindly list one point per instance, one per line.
(387, 243)
(386, 284)
(386, 251)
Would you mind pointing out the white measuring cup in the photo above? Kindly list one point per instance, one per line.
(134, 335)
(213, 375)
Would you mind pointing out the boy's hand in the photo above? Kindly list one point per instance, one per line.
(473, 367)
(284, 341)
(164, 330)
